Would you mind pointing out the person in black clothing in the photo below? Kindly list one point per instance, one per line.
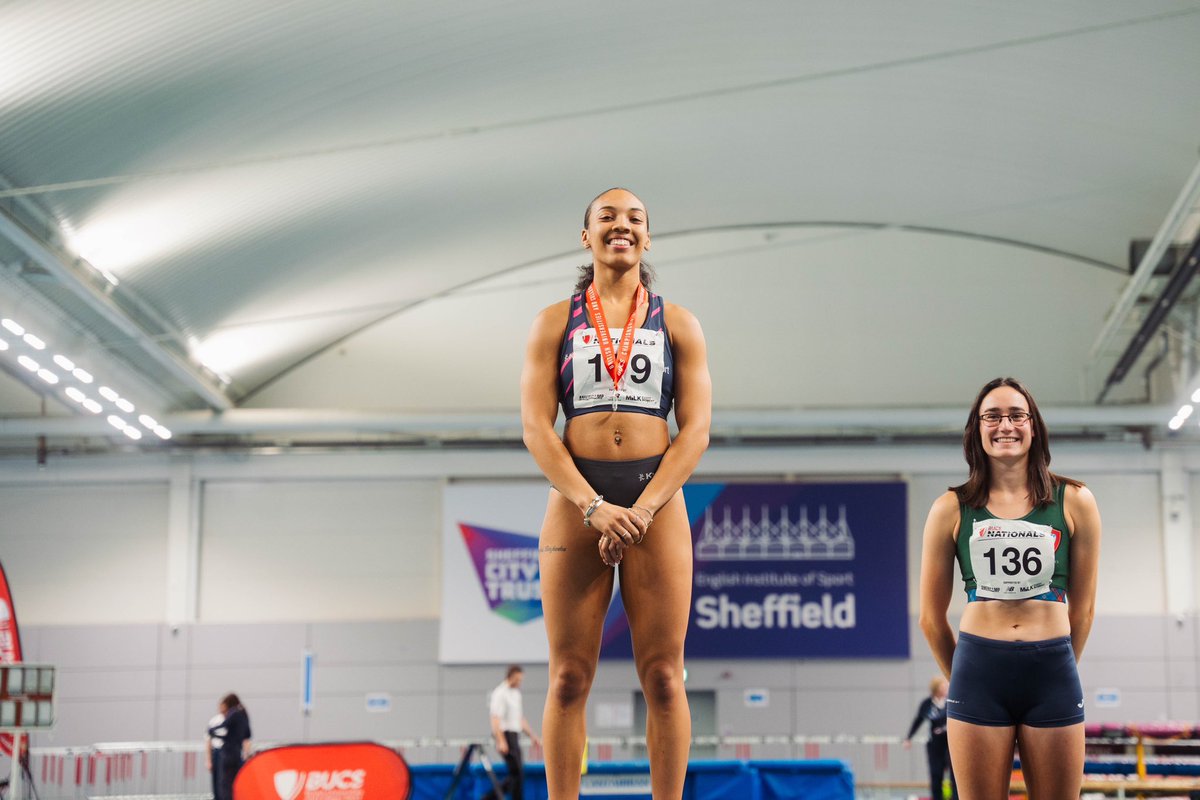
(235, 744)
(933, 711)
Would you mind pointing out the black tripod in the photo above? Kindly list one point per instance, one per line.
(474, 750)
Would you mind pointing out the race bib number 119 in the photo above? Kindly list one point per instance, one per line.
(641, 385)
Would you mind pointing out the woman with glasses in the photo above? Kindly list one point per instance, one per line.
(1027, 542)
(618, 359)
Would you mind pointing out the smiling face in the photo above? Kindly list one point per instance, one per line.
(1006, 439)
(617, 230)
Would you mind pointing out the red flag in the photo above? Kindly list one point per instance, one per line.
(10, 642)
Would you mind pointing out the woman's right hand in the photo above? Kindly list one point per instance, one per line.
(618, 528)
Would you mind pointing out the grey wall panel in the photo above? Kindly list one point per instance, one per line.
(238, 645)
(174, 645)
(1137, 705)
(390, 641)
(740, 673)
(320, 550)
(774, 718)
(106, 684)
(1179, 634)
(216, 682)
(1181, 674)
(174, 682)
(853, 674)
(1131, 551)
(1183, 704)
(863, 711)
(1121, 636)
(171, 721)
(411, 717)
(472, 678)
(92, 554)
(357, 680)
(465, 715)
(100, 646)
(1129, 673)
(100, 720)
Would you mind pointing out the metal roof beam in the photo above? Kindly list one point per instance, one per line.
(68, 275)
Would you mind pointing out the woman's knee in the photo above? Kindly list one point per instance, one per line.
(570, 680)
(662, 681)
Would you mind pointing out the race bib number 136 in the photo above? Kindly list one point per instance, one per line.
(1012, 559)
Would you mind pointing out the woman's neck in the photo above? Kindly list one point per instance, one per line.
(1010, 477)
(616, 285)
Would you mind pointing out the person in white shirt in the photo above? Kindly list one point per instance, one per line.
(508, 721)
(212, 744)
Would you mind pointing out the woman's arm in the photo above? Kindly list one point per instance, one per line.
(693, 409)
(937, 578)
(539, 409)
(1083, 515)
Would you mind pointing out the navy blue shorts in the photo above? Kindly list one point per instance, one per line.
(621, 482)
(1002, 684)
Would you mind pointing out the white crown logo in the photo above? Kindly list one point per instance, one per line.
(768, 539)
(288, 784)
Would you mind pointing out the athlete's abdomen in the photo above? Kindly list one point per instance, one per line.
(616, 436)
(1016, 620)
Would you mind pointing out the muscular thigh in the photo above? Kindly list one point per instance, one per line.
(656, 582)
(576, 585)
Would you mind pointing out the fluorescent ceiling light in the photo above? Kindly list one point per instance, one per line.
(64, 362)
(148, 421)
(124, 405)
(132, 433)
(82, 375)
(117, 422)
(3, 345)
(75, 394)
(48, 376)
(108, 394)
(34, 342)
(161, 432)
(28, 363)
(12, 327)
(92, 406)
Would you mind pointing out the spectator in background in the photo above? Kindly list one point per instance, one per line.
(508, 720)
(933, 711)
(212, 748)
(235, 744)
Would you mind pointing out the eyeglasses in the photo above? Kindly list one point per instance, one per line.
(992, 419)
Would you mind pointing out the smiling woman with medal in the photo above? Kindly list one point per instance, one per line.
(1028, 545)
(616, 477)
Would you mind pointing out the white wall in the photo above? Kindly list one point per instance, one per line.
(355, 536)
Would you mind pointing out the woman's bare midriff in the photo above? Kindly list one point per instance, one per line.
(1016, 620)
(616, 436)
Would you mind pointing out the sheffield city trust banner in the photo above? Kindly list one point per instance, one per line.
(779, 570)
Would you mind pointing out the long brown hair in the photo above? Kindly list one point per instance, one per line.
(587, 272)
(1042, 482)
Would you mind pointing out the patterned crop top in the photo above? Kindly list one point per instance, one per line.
(584, 385)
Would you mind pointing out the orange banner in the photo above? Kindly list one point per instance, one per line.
(333, 771)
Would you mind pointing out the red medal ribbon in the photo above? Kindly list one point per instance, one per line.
(614, 362)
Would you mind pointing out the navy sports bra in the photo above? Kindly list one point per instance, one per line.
(584, 385)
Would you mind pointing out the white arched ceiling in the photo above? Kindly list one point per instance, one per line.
(326, 201)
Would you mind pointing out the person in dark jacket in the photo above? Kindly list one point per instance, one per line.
(235, 743)
(933, 711)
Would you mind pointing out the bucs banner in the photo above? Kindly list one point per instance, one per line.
(10, 641)
(779, 570)
(335, 771)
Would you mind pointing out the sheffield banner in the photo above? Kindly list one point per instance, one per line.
(10, 642)
(335, 771)
(801, 570)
